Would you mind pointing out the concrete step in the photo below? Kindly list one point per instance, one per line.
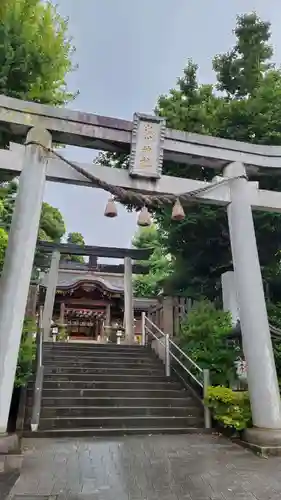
(104, 361)
(132, 391)
(121, 422)
(69, 402)
(104, 390)
(88, 362)
(99, 352)
(111, 354)
(94, 347)
(71, 361)
(114, 431)
(104, 377)
(119, 411)
(110, 384)
(106, 369)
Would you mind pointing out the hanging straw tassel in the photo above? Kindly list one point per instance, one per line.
(144, 218)
(110, 209)
(178, 212)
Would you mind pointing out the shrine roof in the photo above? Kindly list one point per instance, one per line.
(70, 278)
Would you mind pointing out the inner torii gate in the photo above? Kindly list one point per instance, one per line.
(149, 142)
(127, 254)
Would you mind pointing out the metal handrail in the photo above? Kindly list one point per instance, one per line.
(155, 336)
(169, 354)
(36, 410)
(186, 369)
(186, 356)
(178, 348)
(155, 326)
(40, 346)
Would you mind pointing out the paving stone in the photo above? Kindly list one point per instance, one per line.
(186, 467)
(7, 480)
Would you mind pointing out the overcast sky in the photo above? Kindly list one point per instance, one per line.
(129, 52)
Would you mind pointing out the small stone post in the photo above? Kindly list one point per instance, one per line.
(105, 330)
(18, 262)
(50, 295)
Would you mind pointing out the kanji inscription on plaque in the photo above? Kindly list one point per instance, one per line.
(147, 146)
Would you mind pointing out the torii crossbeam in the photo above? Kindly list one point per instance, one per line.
(148, 142)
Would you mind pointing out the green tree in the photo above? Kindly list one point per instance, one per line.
(3, 245)
(35, 52)
(52, 226)
(203, 336)
(35, 58)
(159, 263)
(246, 108)
(8, 192)
(75, 239)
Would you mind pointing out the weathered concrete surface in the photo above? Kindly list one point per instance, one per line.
(7, 481)
(187, 467)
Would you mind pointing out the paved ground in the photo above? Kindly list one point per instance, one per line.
(7, 480)
(146, 468)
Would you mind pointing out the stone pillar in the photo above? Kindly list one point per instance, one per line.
(93, 262)
(107, 323)
(108, 315)
(168, 316)
(128, 301)
(229, 296)
(257, 346)
(50, 295)
(30, 310)
(62, 313)
(18, 262)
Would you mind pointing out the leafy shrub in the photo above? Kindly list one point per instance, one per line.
(62, 336)
(26, 353)
(274, 314)
(230, 408)
(203, 336)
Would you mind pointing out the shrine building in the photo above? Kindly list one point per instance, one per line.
(89, 299)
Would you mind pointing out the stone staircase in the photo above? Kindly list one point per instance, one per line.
(111, 390)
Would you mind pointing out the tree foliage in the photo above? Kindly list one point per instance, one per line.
(159, 264)
(27, 353)
(230, 408)
(35, 58)
(244, 105)
(75, 239)
(3, 245)
(52, 226)
(246, 108)
(35, 52)
(203, 336)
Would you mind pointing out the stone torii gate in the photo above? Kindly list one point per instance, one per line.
(127, 254)
(149, 142)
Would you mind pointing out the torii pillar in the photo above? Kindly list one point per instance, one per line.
(18, 262)
(128, 301)
(50, 294)
(262, 378)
